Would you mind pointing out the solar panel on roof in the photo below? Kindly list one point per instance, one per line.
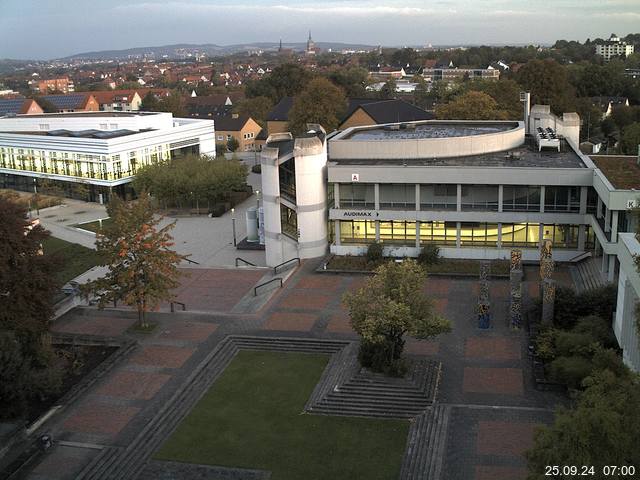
(11, 106)
(64, 102)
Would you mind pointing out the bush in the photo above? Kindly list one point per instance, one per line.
(256, 168)
(570, 370)
(374, 252)
(546, 344)
(598, 328)
(569, 306)
(572, 343)
(429, 255)
(385, 357)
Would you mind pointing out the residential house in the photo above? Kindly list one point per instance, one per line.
(607, 104)
(73, 102)
(278, 117)
(19, 106)
(241, 127)
(118, 100)
(63, 84)
(366, 111)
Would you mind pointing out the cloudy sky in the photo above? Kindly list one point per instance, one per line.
(42, 29)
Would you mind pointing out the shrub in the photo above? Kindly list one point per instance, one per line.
(429, 255)
(572, 343)
(546, 344)
(608, 359)
(598, 328)
(569, 306)
(570, 370)
(256, 168)
(374, 252)
(376, 357)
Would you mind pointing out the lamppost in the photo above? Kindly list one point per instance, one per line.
(233, 225)
(258, 199)
(35, 197)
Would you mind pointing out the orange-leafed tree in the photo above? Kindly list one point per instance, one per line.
(142, 267)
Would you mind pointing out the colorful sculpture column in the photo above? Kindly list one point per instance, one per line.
(515, 283)
(547, 284)
(484, 313)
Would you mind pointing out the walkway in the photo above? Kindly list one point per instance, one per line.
(489, 406)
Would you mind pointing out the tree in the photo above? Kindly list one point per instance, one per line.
(320, 102)
(233, 144)
(390, 305)
(27, 287)
(353, 80)
(548, 83)
(471, 106)
(603, 429)
(257, 108)
(46, 105)
(630, 140)
(389, 89)
(142, 269)
(149, 103)
(284, 81)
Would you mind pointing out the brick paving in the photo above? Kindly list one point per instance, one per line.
(486, 380)
(505, 381)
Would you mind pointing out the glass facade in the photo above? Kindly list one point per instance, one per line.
(562, 199)
(288, 221)
(520, 198)
(480, 197)
(440, 233)
(562, 236)
(287, 177)
(357, 231)
(81, 165)
(479, 234)
(398, 196)
(403, 233)
(525, 235)
(357, 195)
(438, 197)
(592, 201)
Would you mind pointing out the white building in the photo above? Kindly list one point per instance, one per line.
(477, 189)
(614, 48)
(102, 150)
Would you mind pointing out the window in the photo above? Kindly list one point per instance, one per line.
(357, 231)
(480, 197)
(398, 196)
(562, 236)
(228, 137)
(440, 233)
(44, 126)
(221, 138)
(357, 195)
(520, 235)
(520, 198)
(439, 197)
(289, 222)
(592, 201)
(562, 199)
(478, 234)
(287, 176)
(403, 233)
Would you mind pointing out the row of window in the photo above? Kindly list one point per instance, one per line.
(527, 235)
(515, 198)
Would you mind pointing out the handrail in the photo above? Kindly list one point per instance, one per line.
(245, 261)
(275, 269)
(184, 307)
(580, 257)
(255, 289)
(191, 261)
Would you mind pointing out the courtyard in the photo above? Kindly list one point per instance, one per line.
(183, 403)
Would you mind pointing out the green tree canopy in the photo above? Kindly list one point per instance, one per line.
(256, 107)
(353, 80)
(284, 81)
(320, 102)
(392, 304)
(471, 106)
(630, 140)
(603, 429)
(548, 83)
(142, 268)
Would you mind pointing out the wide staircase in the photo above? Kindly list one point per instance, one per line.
(586, 274)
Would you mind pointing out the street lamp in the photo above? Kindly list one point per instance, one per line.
(233, 225)
(258, 199)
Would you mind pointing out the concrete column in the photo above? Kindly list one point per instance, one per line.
(612, 268)
(614, 226)
(605, 259)
(417, 197)
(540, 234)
(599, 208)
(376, 196)
(583, 199)
(377, 230)
(500, 197)
(458, 228)
(336, 232)
(607, 221)
(500, 228)
(336, 195)
(459, 198)
(582, 235)
(542, 192)
(417, 234)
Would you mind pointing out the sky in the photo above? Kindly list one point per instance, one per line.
(45, 29)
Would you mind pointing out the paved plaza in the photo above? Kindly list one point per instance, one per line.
(486, 383)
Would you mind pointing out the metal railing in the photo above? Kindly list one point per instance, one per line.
(255, 289)
(172, 305)
(191, 261)
(238, 259)
(275, 269)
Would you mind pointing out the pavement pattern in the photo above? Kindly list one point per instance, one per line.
(486, 388)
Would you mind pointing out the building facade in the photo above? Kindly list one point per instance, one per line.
(614, 48)
(100, 150)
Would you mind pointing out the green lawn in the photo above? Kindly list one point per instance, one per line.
(94, 226)
(252, 418)
(74, 259)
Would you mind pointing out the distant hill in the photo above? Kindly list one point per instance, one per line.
(184, 49)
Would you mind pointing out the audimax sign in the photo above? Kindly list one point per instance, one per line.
(360, 214)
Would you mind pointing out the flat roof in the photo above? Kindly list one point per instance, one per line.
(85, 114)
(525, 156)
(412, 131)
(92, 133)
(622, 171)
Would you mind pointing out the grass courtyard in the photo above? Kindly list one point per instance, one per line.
(74, 259)
(95, 225)
(252, 418)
